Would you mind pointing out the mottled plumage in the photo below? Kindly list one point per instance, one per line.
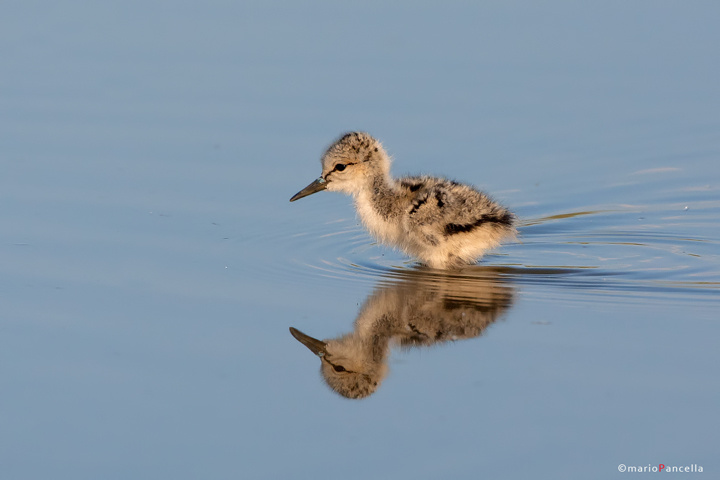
(443, 223)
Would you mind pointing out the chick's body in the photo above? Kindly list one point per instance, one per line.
(443, 223)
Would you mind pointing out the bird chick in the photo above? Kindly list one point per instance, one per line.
(443, 223)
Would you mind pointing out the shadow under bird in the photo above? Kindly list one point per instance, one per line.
(443, 223)
(416, 313)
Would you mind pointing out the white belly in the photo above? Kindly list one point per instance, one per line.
(388, 232)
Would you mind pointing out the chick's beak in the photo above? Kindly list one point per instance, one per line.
(316, 186)
(316, 346)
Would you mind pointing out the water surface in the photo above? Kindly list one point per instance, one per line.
(151, 264)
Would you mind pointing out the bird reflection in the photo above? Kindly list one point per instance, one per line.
(420, 311)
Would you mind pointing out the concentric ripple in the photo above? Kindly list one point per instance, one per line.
(599, 250)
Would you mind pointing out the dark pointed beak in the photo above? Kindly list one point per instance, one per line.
(314, 187)
(316, 346)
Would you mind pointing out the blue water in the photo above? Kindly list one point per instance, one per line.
(151, 264)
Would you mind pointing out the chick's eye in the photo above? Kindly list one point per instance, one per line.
(340, 167)
(339, 368)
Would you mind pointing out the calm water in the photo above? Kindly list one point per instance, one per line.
(151, 264)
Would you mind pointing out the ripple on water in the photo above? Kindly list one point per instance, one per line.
(621, 251)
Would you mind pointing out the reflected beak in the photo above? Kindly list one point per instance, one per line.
(316, 346)
(316, 186)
